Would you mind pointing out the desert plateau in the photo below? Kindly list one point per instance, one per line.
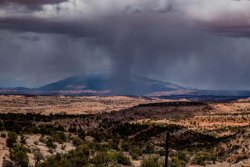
(123, 131)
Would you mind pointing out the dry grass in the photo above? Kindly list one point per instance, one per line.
(230, 108)
(69, 105)
(4, 151)
(217, 119)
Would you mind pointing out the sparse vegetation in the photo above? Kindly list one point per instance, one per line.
(201, 157)
(128, 136)
(38, 156)
(19, 155)
(11, 140)
(152, 161)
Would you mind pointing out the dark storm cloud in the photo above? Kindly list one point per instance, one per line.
(32, 38)
(49, 59)
(31, 4)
(165, 39)
(238, 30)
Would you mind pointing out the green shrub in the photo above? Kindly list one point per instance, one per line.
(81, 134)
(114, 145)
(77, 141)
(149, 148)
(50, 144)
(177, 162)
(221, 152)
(202, 156)
(19, 155)
(122, 159)
(72, 129)
(11, 140)
(184, 155)
(152, 161)
(126, 146)
(106, 158)
(75, 158)
(38, 156)
(135, 152)
(59, 137)
(102, 158)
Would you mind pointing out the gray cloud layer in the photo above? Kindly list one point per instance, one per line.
(187, 42)
(30, 4)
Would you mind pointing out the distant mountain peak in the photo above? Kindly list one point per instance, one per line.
(105, 85)
(110, 85)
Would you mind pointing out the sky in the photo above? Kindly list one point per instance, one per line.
(195, 43)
